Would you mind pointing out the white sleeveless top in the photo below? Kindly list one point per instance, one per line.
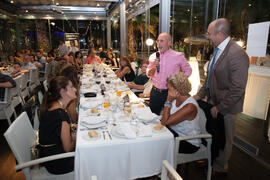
(187, 127)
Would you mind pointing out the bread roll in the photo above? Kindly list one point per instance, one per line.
(92, 134)
(94, 111)
(158, 127)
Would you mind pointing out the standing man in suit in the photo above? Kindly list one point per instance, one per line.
(170, 62)
(225, 84)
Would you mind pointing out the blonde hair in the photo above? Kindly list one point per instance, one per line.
(180, 82)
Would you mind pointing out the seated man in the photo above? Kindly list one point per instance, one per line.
(5, 82)
(27, 65)
(140, 80)
(41, 59)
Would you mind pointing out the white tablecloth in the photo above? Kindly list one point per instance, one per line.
(120, 158)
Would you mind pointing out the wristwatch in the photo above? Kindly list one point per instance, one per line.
(168, 104)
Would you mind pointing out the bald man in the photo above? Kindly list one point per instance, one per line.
(170, 62)
(225, 84)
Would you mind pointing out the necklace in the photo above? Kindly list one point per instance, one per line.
(61, 104)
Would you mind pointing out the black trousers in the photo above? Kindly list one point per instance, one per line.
(157, 100)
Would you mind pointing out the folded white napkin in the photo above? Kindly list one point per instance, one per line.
(127, 130)
(144, 114)
(144, 130)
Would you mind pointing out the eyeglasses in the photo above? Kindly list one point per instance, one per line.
(159, 41)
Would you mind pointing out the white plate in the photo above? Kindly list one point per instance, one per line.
(115, 132)
(93, 120)
(90, 103)
(93, 126)
(86, 137)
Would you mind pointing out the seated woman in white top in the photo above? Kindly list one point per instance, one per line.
(181, 112)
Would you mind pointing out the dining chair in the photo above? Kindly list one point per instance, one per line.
(6, 107)
(33, 80)
(168, 172)
(45, 84)
(24, 88)
(21, 137)
(203, 153)
(15, 92)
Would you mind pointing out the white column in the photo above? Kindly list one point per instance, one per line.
(164, 16)
(123, 29)
(109, 35)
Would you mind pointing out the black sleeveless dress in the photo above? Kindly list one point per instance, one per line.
(50, 133)
(129, 76)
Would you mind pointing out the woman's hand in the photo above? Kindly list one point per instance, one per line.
(172, 95)
(73, 136)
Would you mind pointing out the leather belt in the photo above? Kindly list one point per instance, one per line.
(160, 90)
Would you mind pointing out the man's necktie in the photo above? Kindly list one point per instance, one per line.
(211, 67)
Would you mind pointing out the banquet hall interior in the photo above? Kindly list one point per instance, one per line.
(130, 28)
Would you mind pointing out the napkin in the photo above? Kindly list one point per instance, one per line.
(144, 130)
(144, 114)
(127, 130)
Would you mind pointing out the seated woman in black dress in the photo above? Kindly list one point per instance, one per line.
(55, 135)
(110, 59)
(125, 72)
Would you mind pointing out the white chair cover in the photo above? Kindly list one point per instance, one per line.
(21, 137)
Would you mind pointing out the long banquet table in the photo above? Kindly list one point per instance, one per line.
(116, 157)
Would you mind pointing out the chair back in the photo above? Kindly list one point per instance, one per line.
(6, 107)
(15, 92)
(34, 79)
(21, 137)
(24, 88)
(46, 71)
(45, 84)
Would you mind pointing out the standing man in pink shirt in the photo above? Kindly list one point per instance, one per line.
(169, 62)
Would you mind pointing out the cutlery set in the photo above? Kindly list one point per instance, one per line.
(104, 134)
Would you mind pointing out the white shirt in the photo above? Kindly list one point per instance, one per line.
(28, 66)
(221, 48)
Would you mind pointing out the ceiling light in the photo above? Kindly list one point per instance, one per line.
(97, 5)
(249, 5)
(52, 23)
(26, 11)
(11, 2)
(57, 4)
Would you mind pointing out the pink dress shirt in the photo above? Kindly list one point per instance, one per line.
(90, 60)
(171, 62)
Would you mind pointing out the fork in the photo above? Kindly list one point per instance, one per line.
(104, 136)
(109, 134)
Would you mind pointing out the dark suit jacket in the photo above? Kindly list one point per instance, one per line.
(228, 80)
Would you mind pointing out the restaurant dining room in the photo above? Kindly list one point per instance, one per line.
(134, 89)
